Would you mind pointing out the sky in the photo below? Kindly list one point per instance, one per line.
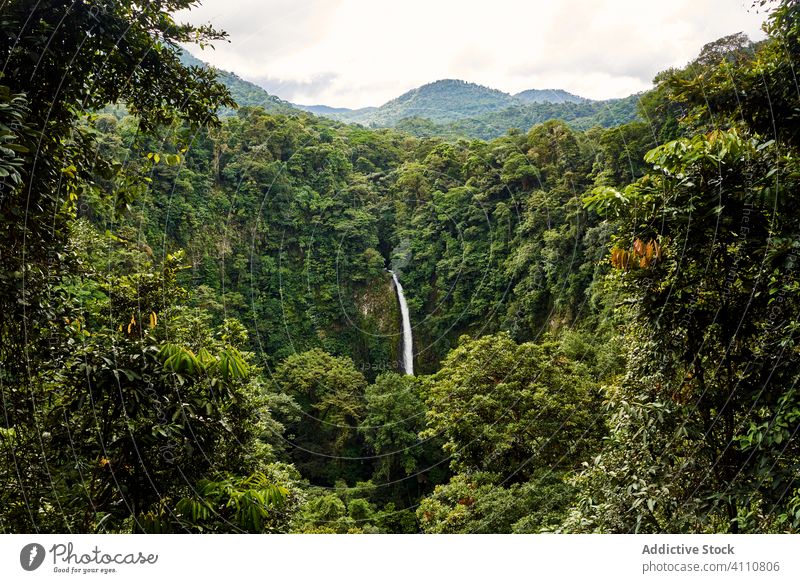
(356, 53)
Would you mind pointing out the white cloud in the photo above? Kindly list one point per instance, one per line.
(353, 53)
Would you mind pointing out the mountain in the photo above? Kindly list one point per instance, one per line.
(440, 101)
(449, 108)
(548, 96)
(443, 101)
(244, 92)
(343, 114)
(326, 110)
(580, 115)
(454, 108)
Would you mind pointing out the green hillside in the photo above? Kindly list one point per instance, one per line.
(447, 108)
(547, 96)
(244, 93)
(579, 115)
(452, 108)
(441, 101)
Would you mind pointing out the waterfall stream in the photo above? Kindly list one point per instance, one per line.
(407, 347)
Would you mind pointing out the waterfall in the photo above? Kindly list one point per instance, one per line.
(407, 346)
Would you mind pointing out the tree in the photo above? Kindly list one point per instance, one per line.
(510, 408)
(705, 419)
(137, 403)
(476, 504)
(329, 396)
(702, 435)
(393, 420)
(116, 51)
(405, 465)
(253, 504)
(113, 51)
(63, 61)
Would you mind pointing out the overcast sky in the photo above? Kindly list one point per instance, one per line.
(354, 53)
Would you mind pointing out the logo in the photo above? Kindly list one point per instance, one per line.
(31, 556)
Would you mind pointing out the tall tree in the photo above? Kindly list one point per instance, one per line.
(705, 421)
(61, 61)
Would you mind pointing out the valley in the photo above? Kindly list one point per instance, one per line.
(462, 311)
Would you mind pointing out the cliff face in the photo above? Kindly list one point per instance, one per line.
(379, 329)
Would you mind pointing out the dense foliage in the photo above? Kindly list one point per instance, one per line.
(199, 332)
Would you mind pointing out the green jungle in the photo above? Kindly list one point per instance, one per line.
(199, 331)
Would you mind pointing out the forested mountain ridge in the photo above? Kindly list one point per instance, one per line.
(581, 115)
(334, 112)
(444, 100)
(454, 108)
(448, 108)
(199, 333)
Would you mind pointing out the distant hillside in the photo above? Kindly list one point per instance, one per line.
(548, 96)
(244, 92)
(335, 112)
(450, 108)
(454, 108)
(441, 101)
(582, 115)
